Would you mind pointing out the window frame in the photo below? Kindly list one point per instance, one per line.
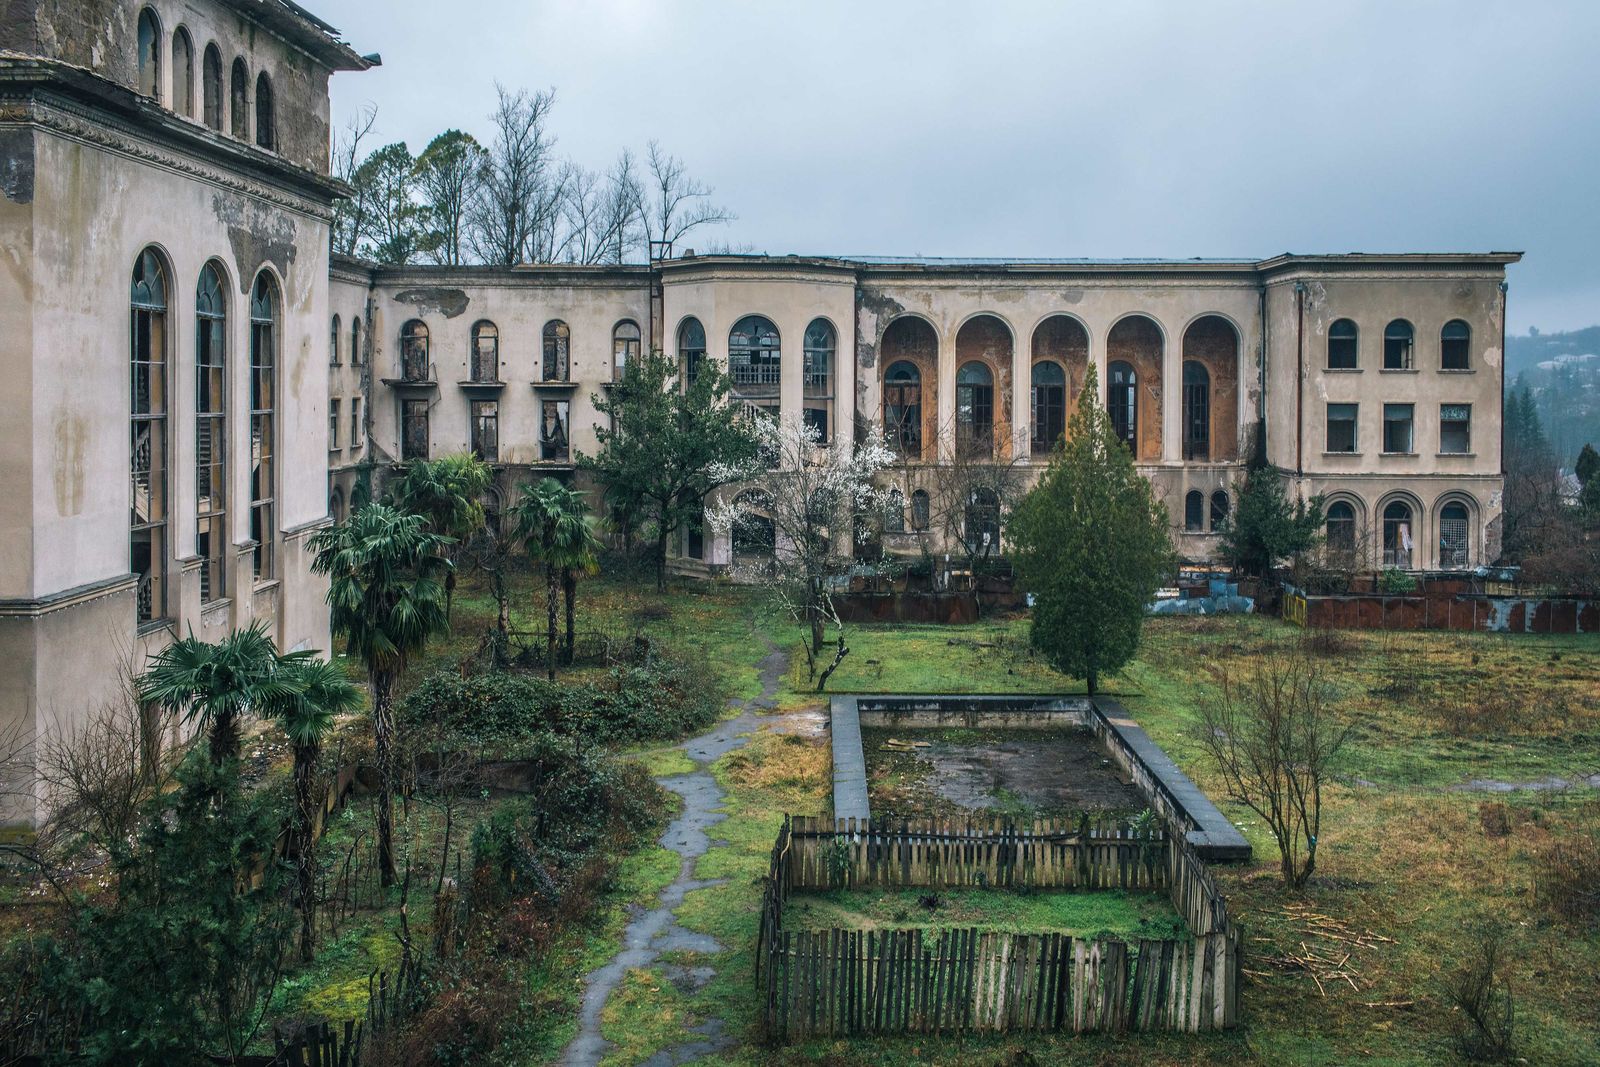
(266, 115)
(183, 71)
(1455, 350)
(755, 365)
(1049, 407)
(1194, 512)
(213, 83)
(485, 330)
(691, 354)
(416, 358)
(555, 345)
(625, 348)
(416, 433)
(1122, 399)
(265, 308)
(903, 432)
(150, 362)
(211, 506)
(1399, 352)
(1410, 424)
(1196, 412)
(483, 419)
(975, 434)
(148, 40)
(239, 99)
(1329, 421)
(1465, 425)
(1350, 343)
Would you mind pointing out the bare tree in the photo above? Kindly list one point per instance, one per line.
(671, 203)
(350, 216)
(514, 217)
(971, 496)
(1274, 738)
(599, 214)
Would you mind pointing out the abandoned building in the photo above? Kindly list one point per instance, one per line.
(196, 386)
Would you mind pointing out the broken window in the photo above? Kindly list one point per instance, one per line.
(1219, 510)
(1455, 346)
(486, 430)
(1453, 540)
(1049, 405)
(902, 409)
(182, 73)
(333, 343)
(755, 357)
(263, 423)
(554, 441)
(1342, 427)
(1397, 437)
(1341, 529)
(414, 341)
(921, 509)
(211, 87)
(975, 410)
(1122, 400)
(691, 349)
(211, 434)
(413, 430)
(1397, 345)
(1194, 511)
(148, 437)
(624, 348)
(266, 123)
(149, 54)
(485, 352)
(1196, 411)
(819, 346)
(1397, 543)
(238, 93)
(1342, 338)
(816, 421)
(1455, 429)
(557, 358)
(981, 526)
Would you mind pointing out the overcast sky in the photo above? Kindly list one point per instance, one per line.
(1121, 129)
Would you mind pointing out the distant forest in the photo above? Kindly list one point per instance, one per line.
(1567, 394)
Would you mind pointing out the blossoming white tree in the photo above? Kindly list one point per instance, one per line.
(811, 494)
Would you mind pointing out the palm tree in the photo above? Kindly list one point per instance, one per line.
(447, 492)
(217, 684)
(387, 600)
(316, 693)
(553, 522)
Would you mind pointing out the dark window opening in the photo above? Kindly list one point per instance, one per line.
(182, 73)
(1341, 529)
(1397, 543)
(149, 54)
(148, 436)
(816, 422)
(1219, 510)
(624, 348)
(1397, 436)
(1194, 511)
(1455, 346)
(554, 440)
(486, 430)
(691, 350)
(1398, 339)
(238, 92)
(1122, 400)
(1342, 351)
(1196, 411)
(210, 431)
(413, 430)
(974, 410)
(981, 525)
(485, 352)
(1455, 429)
(902, 409)
(557, 352)
(921, 509)
(819, 346)
(755, 356)
(263, 425)
(414, 342)
(211, 87)
(266, 122)
(1049, 406)
(1342, 427)
(1453, 540)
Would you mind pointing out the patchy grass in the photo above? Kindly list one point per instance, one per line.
(1110, 913)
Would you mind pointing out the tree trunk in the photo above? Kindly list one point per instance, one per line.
(305, 768)
(224, 739)
(449, 592)
(569, 592)
(661, 561)
(552, 591)
(814, 616)
(502, 600)
(383, 736)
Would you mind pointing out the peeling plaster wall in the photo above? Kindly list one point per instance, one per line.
(18, 429)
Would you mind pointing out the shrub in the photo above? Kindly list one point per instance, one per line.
(1566, 876)
(1395, 582)
(1480, 990)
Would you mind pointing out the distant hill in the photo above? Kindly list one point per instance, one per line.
(1527, 351)
(1563, 370)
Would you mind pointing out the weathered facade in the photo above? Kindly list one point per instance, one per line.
(165, 213)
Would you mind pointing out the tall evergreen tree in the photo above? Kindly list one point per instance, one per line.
(1265, 526)
(1091, 544)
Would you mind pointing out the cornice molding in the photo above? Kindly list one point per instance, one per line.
(36, 607)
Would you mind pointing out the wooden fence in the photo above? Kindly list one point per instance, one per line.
(833, 982)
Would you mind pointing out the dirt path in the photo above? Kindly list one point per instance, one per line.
(653, 931)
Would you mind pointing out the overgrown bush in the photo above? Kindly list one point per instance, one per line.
(1481, 991)
(1566, 873)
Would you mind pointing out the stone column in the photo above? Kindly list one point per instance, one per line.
(945, 426)
(1021, 395)
(1172, 396)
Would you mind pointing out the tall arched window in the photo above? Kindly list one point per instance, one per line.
(1219, 510)
(624, 347)
(1397, 535)
(1342, 340)
(921, 509)
(902, 409)
(333, 343)
(557, 352)
(1194, 511)
(1398, 339)
(211, 433)
(1455, 346)
(414, 342)
(1196, 411)
(485, 352)
(1341, 530)
(894, 511)
(211, 86)
(266, 126)
(149, 54)
(357, 357)
(974, 410)
(755, 356)
(1454, 542)
(1049, 405)
(238, 102)
(819, 356)
(1122, 400)
(148, 445)
(981, 525)
(691, 348)
(263, 423)
(182, 73)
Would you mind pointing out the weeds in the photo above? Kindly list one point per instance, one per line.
(1481, 991)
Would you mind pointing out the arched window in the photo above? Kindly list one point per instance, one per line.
(211, 87)
(148, 445)
(894, 511)
(1122, 400)
(182, 73)
(485, 352)
(1194, 511)
(1397, 345)
(691, 348)
(755, 356)
(238, 92)
(414, 341)
(266, 128)
(357, 357)
(981, 525)
(902, 409)
(1049, 405)
(1397, 539)
(974, 410)
(557, 352)
(149, 54)
(1455, 346)
(1341, 529)
(624, 347)
(263, 423)
(921, 509)
(819, 348)
(1219, 510)
(1342, 351)
(1196, 411)
(211, 433)
(1454, 542)
(333, 343)
(336, 506)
